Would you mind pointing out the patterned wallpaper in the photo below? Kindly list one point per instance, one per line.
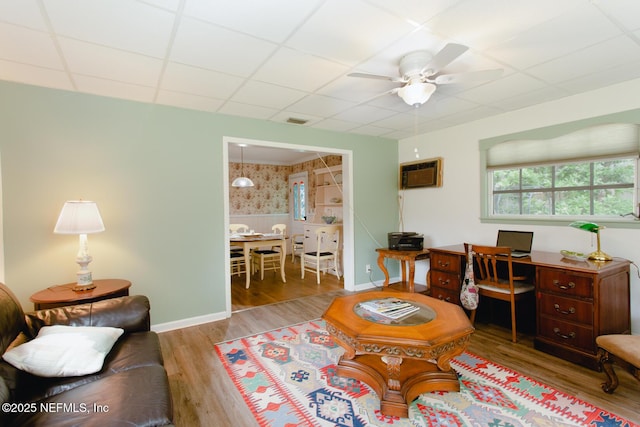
(270, 193)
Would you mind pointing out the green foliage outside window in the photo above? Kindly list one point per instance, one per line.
(595, 188)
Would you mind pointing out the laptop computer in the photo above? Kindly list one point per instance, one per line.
(519, 241)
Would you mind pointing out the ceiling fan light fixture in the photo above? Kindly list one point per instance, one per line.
(416, 94)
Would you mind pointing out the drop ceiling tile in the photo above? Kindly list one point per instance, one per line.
(319, 105)
(593, 59)
(356, 89)
(626, 12)
(440, 107)
(415, 12)
(207, 46)
(538, 96)
(408, 120)
(297, 70)
(189, 101)
(485, 23)
(364, 114)
(32, 75)
(371, 130)
(613, 75)
(121, 24)
(35, 47)
(357, 31)
(336, 125)
(267, 95)
(256, 18)
(577, 29)
(171, 5)
(245, 110)
(98, 61)
(506, 87)
(25, 13)
(113, 89)
(196, 81)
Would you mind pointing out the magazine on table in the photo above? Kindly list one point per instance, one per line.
(392, 308)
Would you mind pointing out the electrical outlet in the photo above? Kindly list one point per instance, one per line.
(367, 268)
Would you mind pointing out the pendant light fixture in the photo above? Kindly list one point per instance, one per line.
(242, 181)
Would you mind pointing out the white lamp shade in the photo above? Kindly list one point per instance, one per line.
(242, 182)
(416, 94)
(79, 217)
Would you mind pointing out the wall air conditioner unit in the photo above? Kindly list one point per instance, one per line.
(422, 173)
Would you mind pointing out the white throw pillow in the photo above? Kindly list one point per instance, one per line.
(64, 351)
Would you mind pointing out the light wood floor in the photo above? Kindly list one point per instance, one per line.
(203, 394)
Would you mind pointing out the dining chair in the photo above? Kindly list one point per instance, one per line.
(297, 246)
(490, 285)
(236, 255)
(325, 256)
(268, 259)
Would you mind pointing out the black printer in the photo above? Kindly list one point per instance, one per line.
(405, 241)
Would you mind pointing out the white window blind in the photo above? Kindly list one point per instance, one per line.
(602, 141)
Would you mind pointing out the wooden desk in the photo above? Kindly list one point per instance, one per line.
(399, 360)
(575, 300)
(404, 257)
(63, 295)
(249, 242)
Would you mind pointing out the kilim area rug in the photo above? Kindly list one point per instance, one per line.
(287, 377)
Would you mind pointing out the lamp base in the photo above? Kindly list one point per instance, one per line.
(600, 256)
(85, 280)
(82, 288)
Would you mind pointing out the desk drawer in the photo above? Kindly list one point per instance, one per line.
(446, 295)
(445, 280)
(445, 262)
(564, 282)
(567, 333)
(566, 308)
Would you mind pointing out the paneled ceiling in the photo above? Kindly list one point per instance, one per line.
(281, 59)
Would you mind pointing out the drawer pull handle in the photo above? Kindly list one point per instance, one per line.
(571, 310)
(443, 264)
(563, 336)
(571, 285)
(443, 282)
(442, 298)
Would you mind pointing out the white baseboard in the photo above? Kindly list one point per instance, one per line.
(191, 321)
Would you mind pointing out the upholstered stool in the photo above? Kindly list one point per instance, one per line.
(621, 349)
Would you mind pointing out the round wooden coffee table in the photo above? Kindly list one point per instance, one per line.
(399, 359)
(63, 295)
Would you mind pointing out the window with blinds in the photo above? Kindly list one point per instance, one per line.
(590, 172)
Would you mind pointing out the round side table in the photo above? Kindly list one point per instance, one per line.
(63, 295)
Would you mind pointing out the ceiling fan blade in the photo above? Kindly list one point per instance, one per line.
(447, 55)
(470, 77)
(376, 76)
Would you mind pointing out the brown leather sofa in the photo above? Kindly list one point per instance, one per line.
(131, 389)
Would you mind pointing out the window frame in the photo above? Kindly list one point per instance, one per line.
(486, 215)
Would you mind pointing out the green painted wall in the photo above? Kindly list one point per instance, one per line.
(156, 173)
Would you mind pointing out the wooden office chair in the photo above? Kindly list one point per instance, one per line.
(297, 246)
(325, 255)
(491, 286)
(268, 259)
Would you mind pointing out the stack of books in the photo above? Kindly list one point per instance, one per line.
(393, 308)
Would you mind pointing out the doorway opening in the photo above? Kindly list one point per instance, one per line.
(291, 269)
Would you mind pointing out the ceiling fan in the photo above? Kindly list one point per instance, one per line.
(420, 74)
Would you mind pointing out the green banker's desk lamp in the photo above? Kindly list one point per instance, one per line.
(591, 227)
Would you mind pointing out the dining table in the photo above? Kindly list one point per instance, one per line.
(249, 241)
